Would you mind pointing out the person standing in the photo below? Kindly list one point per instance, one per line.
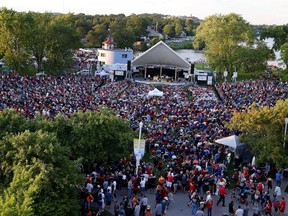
(144, 203)
(282, 205)
(268, 208)
(239, 211)
(278, 178)
(199, 212)
(195, 203)
(222, 193)
(137, 209)
(231, 208)
(209, 204)
(277, 193)
(148, 211)
(158, 209)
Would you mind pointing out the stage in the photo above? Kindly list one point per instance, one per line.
(153, 82)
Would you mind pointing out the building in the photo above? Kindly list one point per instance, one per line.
(109, 54)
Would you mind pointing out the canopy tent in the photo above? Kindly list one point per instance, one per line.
(238, 147)
(155, 92)
(231, 141)
(102, 73)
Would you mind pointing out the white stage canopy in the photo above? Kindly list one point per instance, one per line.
(156, 93)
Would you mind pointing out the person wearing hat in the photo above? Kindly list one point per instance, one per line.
(148, 211)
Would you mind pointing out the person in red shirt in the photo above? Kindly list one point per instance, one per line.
(282, 205)
(222, 193)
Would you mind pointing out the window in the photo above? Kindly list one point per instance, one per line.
(124, 55)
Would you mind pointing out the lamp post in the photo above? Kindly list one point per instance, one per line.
(285, 131)
(138, 157)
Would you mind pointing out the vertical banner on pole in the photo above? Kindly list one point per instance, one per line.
(138, 148)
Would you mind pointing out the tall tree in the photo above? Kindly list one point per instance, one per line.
(62, 39)
(178, 27)
(15, 30)
(278, 33)
(41, 151)
(263, 131)
(284, 53)
(223, 35)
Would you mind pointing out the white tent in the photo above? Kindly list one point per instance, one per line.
(155, 92)
(231, 141)
(238, 147)
(102, 73)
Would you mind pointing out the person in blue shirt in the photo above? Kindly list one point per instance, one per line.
(278, 178)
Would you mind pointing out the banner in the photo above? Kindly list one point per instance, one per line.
(138, 147)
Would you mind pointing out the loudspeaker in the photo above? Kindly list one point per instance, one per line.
(129, 65)
(192, 68)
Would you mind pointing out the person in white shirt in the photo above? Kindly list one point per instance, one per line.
(239, 211)
(277, 193)
(89, 187)
(142, 185)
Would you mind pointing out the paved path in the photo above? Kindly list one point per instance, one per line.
(180, 208)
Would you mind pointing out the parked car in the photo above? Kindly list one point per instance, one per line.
(84, 72)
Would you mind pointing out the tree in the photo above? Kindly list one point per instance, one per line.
(102, 131)
(46, 160)
(62, 39)
(18, 198)
(284, 53)
(189, 27)
(223, 35)
(96, 36)
(15, 30)
(253, 58)
(124, 37)
(137, 25)
(178, 27)
(278, 33)
(169, 30)
(263, 130)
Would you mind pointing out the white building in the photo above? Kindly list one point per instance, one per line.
(109, 55)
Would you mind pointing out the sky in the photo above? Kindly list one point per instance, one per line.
(254, 11)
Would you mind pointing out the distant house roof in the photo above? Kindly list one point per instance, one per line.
(161, 54)
(109, 40)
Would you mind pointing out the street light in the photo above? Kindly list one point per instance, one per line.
(138, 157)
(285, 131)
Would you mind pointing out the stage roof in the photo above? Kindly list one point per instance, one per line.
(161, 54)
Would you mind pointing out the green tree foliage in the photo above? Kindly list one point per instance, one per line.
(169, 30)
(62, 39)
(45, 38)
(178, 27)
(189, 27)
(41, 158)
(253, 58)
(18, 198)
(42, 151)
(278, 33)
(97, 35)
(223, 35)
(123, 36)
(137, 24)
(263, 131)
(83, 24)
(14, 35)
(103, 131)
(284, 53)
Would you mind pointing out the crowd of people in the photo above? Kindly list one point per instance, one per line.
(179, 128)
